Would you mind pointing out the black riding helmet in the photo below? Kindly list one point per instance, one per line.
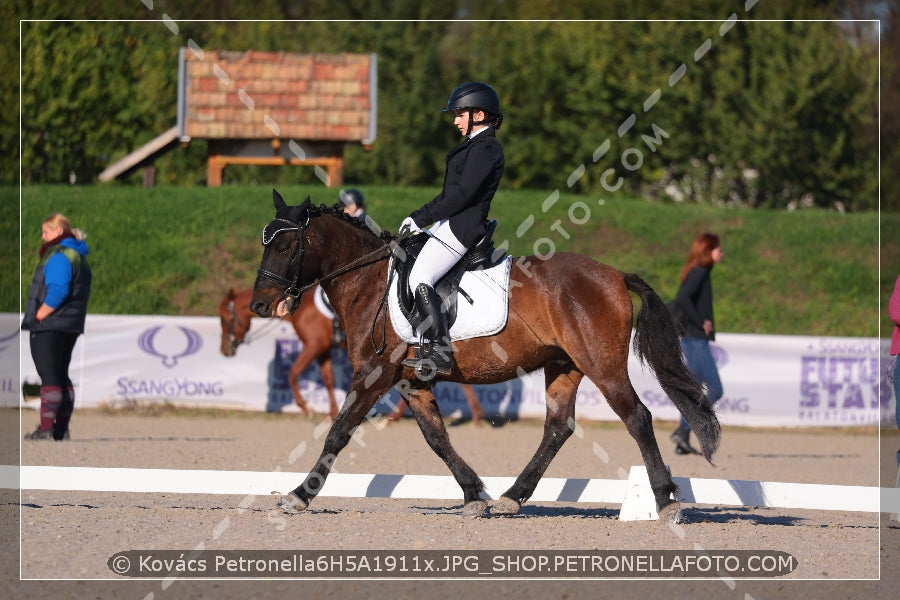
(476, 95)
(352, 196)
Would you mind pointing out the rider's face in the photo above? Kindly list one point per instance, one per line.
(461, 120)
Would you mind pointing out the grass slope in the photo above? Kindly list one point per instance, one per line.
(176, 250)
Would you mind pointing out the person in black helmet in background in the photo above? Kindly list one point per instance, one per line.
(354, 204)
(459, 213)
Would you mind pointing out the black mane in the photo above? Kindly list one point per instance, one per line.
(336, 210)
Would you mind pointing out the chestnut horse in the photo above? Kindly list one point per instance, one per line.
(313, 328)
(570, 315)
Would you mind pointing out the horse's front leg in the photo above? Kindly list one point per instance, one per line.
(428, 416)
(359, 401)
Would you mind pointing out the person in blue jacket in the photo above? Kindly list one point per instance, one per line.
(54, 315)
(458, 214)
(695, 299)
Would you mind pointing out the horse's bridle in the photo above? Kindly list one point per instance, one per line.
(233, 340)
(292, 290)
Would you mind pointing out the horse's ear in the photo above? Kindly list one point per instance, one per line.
(303, 209)
(279, 201)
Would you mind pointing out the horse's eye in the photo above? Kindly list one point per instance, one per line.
(284, 250)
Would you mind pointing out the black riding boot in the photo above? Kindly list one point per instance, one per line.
(435, 356)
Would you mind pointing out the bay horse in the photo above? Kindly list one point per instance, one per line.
(313, 328)
(570, 315)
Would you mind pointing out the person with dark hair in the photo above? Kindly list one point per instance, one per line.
(695, 299)
(54, 315)
(458, 214)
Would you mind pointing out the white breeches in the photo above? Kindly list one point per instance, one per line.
(438, 255)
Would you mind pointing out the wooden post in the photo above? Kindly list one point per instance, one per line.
(149, 176)
(214, 168)
(336, 171)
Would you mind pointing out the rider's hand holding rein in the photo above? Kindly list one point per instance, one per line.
(408, 226)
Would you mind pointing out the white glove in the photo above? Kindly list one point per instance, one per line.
(409, 226)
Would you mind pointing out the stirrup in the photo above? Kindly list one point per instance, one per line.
(428, 363)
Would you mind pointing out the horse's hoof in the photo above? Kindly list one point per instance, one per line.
(292, 504)
(671, 513)
(475, 508)
(505, 506)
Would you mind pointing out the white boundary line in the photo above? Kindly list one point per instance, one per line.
(443, 487)
(437, 487)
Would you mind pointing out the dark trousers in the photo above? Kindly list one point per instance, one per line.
(52, 353)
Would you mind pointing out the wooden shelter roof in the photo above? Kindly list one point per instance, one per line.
(268, 95)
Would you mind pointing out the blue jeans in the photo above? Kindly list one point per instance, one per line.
(700, 362)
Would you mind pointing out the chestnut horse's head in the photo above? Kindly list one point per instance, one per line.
(234, 314)
(280, 277)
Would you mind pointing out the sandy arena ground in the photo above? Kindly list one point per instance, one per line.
(71, 535)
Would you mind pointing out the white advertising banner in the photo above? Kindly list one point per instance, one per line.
(768, 380)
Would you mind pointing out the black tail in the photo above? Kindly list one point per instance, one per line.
(656, 344)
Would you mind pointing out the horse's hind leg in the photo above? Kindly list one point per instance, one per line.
(304, 359)
(428, 416)
(622, 398)
(474, 405)
(561, 385)
(327, 368)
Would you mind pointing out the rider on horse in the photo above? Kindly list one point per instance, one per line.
(459, 212)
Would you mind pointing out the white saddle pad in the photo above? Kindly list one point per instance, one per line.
(489, 290)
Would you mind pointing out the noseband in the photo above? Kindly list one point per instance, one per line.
(292, 290)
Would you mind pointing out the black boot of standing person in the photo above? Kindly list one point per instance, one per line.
(682, 439)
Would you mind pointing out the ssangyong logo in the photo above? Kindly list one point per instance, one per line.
(171, 347)
(720, 356)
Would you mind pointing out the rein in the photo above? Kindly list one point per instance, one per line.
(352, 265)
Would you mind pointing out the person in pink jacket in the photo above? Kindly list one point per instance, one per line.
(894, 312)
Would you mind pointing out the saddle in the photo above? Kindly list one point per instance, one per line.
(481, 256)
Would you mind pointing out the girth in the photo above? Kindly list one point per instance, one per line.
(481, 256)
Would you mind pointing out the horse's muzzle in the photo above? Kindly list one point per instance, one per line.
(261, 308)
